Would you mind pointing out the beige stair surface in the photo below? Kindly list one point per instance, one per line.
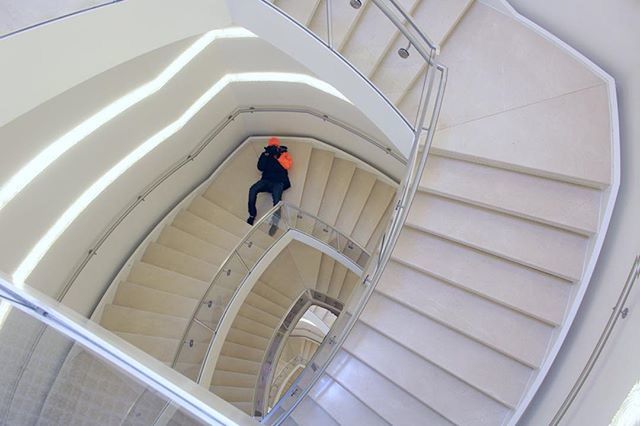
(500, 233)
(260, 317)
(157, 300)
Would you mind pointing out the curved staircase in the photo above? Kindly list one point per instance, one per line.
(297, 268)
(490, 266)
(171, 273)
(502, 233)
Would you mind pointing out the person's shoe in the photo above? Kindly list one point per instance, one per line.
(250, 220)
(273, 229)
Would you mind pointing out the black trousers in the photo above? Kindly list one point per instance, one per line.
(275, 188)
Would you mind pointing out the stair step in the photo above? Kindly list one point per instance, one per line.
(160, 348)
(301, 11)
(307, 260)
(411, 372)
(437, 19)
(228, 183)
(524, 338)
(237, 365)
(309, 413)
(316, 181)
(536, 245)
(259, 316)
(161, 279)
(324, 274)
(205, 230)
(353, 205)
(564, 125)
(218, 216)
(185, 242)
(343, 22)
(168, 258)
(508, 283)
(390, 401)
(377, 204)
(128, 320)
(504, 378)
(232, 378)
(342, 172)
(148, 299)
(350, 283)
(337, 279)
(234, 394)
(344, 407)
(265, 305)
(253, 327)
(236, 350)
(372, 39)
(564, 205)
(243, 337)
(269, 293)
(283, 277)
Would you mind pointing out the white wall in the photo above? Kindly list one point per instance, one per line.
(19, 14)
(55, 57)
(608, 33)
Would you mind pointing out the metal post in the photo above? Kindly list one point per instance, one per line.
(329, 27)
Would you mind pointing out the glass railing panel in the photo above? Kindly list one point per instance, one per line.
(222, 288)
(193, 350)
(48, 378)
(262, 236)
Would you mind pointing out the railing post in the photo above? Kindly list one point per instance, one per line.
(329, 25)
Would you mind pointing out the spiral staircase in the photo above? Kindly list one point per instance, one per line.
(485, 276)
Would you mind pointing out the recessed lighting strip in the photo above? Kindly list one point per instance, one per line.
(67, 141)
(41, 248)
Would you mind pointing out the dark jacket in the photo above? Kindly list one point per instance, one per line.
(272, 170)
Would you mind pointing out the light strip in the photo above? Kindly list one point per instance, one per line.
(61, 145)
(41, 248)
(5, 308)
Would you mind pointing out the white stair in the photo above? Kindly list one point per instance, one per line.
(499, 234)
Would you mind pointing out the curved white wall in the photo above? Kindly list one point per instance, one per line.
(33, 211)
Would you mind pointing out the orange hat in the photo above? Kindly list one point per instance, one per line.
(273, 141)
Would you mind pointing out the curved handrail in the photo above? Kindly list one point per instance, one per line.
(428, 109)
(93, 250)
(268, 215)
(58, 18)
(619, 311)
(279, 217)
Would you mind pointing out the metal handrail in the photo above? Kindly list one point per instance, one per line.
(619, 311)
(58, 18)
(223, 267)
(416, 164)
(268, 215)
(192, 155)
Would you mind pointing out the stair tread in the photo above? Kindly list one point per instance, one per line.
(564, 205)
(508, 283)
(162, 279)
(536, 245)
(148, 299)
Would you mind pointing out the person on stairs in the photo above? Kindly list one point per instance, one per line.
(274, 164)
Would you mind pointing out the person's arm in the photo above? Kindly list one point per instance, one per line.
(262, 161)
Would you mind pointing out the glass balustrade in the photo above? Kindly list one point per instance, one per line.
(240, 263)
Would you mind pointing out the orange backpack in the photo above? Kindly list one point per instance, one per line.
(285, 160)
